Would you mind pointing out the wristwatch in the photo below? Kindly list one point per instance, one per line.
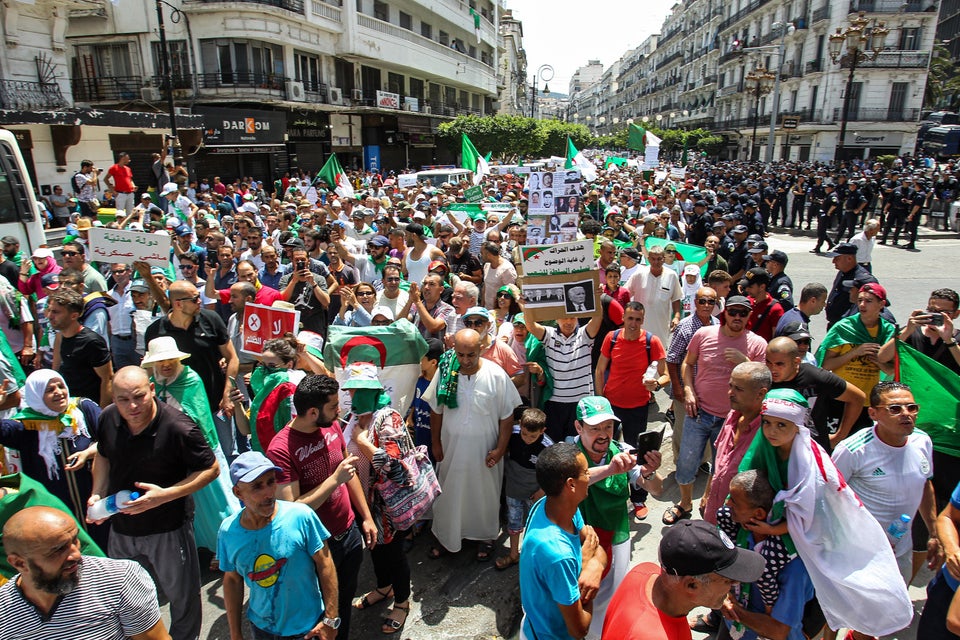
(333, 623)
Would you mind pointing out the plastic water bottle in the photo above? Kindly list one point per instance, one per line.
(899, 527)
(651, 372)
(111, 505)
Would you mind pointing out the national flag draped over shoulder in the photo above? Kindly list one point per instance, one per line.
(635, 137)
(472, 159)
(395, 349)
(937, 390)
(576, 159)
(614, 160)
(335, 177)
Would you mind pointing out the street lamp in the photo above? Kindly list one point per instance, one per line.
(168, 78)
(545, 73)
(761, 80)
(863, 41)
(601, 122)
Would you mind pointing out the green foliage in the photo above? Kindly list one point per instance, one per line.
(943, 81)
(886, 161)
(555, 137)
(504, 135)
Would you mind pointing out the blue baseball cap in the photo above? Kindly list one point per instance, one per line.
(249, 466)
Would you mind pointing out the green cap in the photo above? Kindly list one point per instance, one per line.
(518, 319)
(593, 410)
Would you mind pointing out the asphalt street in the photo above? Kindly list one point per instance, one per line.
(459, 598)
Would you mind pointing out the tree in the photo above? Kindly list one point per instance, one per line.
(555, 137)
(943, 85)
(504, 135)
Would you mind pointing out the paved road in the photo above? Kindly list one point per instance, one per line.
(459, 598)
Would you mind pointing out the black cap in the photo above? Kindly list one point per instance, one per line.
(739, 301)
(759, 247)
(860, 280)
(777, 256)
(700, 203)
(739, 229)
(757, 275)
(754, 237)
(294, 243)
(843, 249)
(630, 252)
(695, 547)
(796, 331)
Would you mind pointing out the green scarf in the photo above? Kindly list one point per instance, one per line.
(536, 353)
(188, 390)
(64, 419)
(368, 401)
(7, 352)
(448, 372)
(763, 456)
(31, 493)
(851, 330)
(605, 506)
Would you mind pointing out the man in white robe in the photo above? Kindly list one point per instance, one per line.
(469, 443)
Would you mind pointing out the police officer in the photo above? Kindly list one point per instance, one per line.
(854, 203)
(816, 193)
(829, 208)
(918, 200)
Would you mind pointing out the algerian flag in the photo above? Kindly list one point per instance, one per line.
(334, 175)
(613, 160)
(652, 140)
(476, 22)
(577, 159)
(395, 349)
(937, 390)
(472, 159)
(689, 253)
(635, 137)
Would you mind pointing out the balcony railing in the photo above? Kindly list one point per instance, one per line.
(730, 55)
(325, 10)
(814, 66)
(670, 58)
(25, 95)
(728, 90)
(106, 88)
(290, 5)
(823, 13)
(878, 115)
(739, 15)
(894, 60)
(893, 6)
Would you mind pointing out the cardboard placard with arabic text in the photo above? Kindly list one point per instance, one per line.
(118, 245)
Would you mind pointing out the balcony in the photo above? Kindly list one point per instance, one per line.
(670, 58)
(894, 6)
(24, 95)
(893, 60)
(730, 55)
(253, 86)
(878, 115)
(813, 66)
(728, 90)
(823, 13)
(669, 36)
(739, 15)
(325, 10)
(295, 6)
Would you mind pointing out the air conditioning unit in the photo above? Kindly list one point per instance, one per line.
(335, 95)
(295, 92)
(427, 109)
(182, 111)
(356, 95)
(150, 94)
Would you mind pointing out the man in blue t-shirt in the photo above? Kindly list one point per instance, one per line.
(277, 549)
(561, 561)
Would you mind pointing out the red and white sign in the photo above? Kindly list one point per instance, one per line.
(261, 323)
(387, 100)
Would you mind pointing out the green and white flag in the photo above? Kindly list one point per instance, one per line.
(635, 137)
(576, 159)
(334, 175)
(472, 159)
(395, 349)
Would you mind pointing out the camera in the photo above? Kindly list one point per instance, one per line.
(301, 265)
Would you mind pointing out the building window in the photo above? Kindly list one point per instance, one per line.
(395, 83)
(472, 51)
(910, 38)
(256, 64)
(416, 88)
(381, 11)
(406, 21)
(307, 69)
(444, 38)
(426, 30)
(179, 58)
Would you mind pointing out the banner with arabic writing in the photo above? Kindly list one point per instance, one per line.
(118, 245)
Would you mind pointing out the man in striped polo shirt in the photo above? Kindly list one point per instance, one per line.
(568, 348)
(62, 594)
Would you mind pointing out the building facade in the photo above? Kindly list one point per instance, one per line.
(695, 73)
(512, 75)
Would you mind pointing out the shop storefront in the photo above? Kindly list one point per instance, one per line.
(242, 142)
(308, 141)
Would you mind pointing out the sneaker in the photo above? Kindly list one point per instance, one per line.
(669, 415)
(640, 511)
(706, 468)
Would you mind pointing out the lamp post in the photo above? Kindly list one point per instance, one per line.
(168, 78)
(860, 46)
(760, 78)
(545, 73)
(785, 30)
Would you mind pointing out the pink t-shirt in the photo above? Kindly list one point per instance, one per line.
(712, 376)
(729, 456)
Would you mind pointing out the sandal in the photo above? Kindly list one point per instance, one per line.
(438, 552)
(675, 514)
(392, 625)
(485, 552)
(505, 562)
(372, 597)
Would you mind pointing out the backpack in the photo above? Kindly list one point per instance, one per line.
(644, 334)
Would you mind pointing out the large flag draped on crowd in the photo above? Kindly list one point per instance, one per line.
(335, 177)
(472, 159)
(576, 160)
(395, 349)
(937, 390)
(689, 253)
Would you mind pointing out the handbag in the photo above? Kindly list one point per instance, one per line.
(405, 502)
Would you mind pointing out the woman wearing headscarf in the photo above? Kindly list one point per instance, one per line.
(181, 387)
(55, 435)
(377, 435)
(690, 283)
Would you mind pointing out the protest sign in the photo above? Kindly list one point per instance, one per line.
(473, 194)
(570, 295)
(118, 245)
(262, 323)
(552, 259)
(405, 180)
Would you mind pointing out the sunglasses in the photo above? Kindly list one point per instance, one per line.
(68, 254)
(708, 301)
(470, 324)
(364, 294)
(117, 272)
(897, 409)
(195, 298)
(186, 267)
(504, 294)
(738, 313)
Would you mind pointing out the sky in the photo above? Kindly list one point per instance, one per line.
(567, 33)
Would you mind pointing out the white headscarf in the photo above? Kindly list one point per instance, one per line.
(48, 441)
